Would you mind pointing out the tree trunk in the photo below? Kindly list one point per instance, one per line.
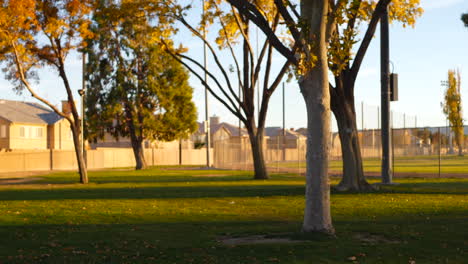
(137, 146)
(315, 90)
(353, 173)
(136, 140)
(79, 154)
(256, 143)
(460, 140)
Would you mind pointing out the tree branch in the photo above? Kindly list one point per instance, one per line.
(290, 23)
(216, 59)
(28, 87)
(379, 9)
(252, 13)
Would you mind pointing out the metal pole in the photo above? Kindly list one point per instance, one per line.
(83, 95)
(362, 116)
(387, 173)
(207, 117)
(440, 145)
(378, 118)
(284, 125)
(257, 84)
(240, 125)
(404, 120)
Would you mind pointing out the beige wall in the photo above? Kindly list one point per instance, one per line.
(60, 137)
(30, 141)
(42, 160)
(4, 141)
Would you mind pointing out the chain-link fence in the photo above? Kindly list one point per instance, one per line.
(428, 152)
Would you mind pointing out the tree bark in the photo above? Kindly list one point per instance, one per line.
(137, 146)
(315, 90)
(256, 143)
(136, 140)
(353, 174)
(79, 154)
(460, 140)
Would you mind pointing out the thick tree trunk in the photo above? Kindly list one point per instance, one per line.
(353, 173)
(317, 216)
(256, 143)
(137, 146)
(315, 90)
(136, 140)
(79, 154)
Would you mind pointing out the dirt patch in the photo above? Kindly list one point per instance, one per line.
(374, 239)
(8, 181)
(257, 239)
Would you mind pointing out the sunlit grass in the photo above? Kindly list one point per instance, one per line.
(176, 216)
(418, 164)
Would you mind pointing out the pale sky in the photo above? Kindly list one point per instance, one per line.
(421, 56)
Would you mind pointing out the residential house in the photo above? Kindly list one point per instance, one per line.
(290, 139)
(221, 131)
(32, 126)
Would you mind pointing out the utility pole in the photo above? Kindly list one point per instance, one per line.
(284, 125)
(207, 115)
(82, 93)
(387, 173)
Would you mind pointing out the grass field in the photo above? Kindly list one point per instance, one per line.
(177, 216)
(418, 164)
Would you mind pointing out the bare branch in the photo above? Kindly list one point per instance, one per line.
(290, 23)
(231, 50)
(28, 87)
(213, 53)
(244, 34)
(379, 9)
(252, 13)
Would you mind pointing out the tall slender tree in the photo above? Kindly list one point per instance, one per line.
(136, 89)
(452, 107)
(235, 41)
(36, 33)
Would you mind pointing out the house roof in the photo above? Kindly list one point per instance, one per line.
(278, 131)
(27, 112)
(232, 129)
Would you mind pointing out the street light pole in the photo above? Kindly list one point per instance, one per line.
(387, 173)
(207, 117)
(82, 93)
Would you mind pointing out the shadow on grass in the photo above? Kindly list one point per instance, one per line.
(206, 191)
(197, 242)
(151, 192)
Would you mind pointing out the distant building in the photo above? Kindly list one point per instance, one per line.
(30, 126)
(291, 138)
(220, 131)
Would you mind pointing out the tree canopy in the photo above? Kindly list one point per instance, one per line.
(38, 33)
(464, 18)
(452, 107)
(136, 89)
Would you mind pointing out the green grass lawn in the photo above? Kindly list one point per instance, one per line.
(177, 216)
(451, 164)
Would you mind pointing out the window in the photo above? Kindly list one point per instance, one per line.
(38, 132)
(22, 132)
(3, 131)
